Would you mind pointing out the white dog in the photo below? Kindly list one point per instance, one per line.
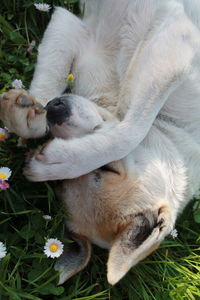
(136, 112)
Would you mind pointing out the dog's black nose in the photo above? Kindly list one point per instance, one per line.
(58, 110)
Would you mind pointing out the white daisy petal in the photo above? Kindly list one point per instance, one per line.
(47, 217)
(17, 84)
(174, 233)
(53, 248)
(2, 250)
(5, 173)
(42, 6)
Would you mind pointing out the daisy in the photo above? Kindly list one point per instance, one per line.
(4, 185)
(8, 130)
(47, 217)
(22, 142)
(174, 233)
(53, 248)
(2, 250)
(3, 134)
(42, 6)
(4, 173)
(17, 84)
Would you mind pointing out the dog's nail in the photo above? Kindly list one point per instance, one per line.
(39, 109)
(24, 101)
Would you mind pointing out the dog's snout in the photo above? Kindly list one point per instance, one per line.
(57, 102)
(58, 110)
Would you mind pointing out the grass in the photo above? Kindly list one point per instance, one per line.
(172, 272)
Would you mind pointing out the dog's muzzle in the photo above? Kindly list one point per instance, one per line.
(58, 111)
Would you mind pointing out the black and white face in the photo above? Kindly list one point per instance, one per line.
(72, 116)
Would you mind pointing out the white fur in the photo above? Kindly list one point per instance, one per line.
(162, 45)
(140, 60)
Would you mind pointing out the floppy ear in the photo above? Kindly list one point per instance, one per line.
(74, 259)
(142, 236)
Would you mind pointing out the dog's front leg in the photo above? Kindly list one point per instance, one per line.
(159, 66)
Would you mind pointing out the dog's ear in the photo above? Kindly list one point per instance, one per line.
(141, 236)
(74, 259)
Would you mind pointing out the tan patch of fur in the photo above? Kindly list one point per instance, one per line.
(110, 230)
(100, 212)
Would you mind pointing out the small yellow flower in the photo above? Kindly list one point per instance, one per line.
(70, 78)
(4, 173)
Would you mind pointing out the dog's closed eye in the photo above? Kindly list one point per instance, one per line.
(108, 168)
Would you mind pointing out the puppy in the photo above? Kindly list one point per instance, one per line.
(127, 139)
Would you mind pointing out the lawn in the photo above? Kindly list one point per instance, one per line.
(172, 272)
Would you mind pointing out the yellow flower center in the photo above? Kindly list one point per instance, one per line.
(53, 247)
(24, 142)
(2, 176)
(2, 136)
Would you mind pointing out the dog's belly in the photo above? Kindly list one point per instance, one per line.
(97, 78)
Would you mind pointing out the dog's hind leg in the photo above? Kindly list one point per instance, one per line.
(63, 41)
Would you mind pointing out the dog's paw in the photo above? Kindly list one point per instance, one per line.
(33, 170)
(55, 151)
(55, 160)
(45, 164)
(37, 171)
(22, 114)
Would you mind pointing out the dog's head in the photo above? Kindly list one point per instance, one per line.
(106, 207)
(74, 116)
(66, 116)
